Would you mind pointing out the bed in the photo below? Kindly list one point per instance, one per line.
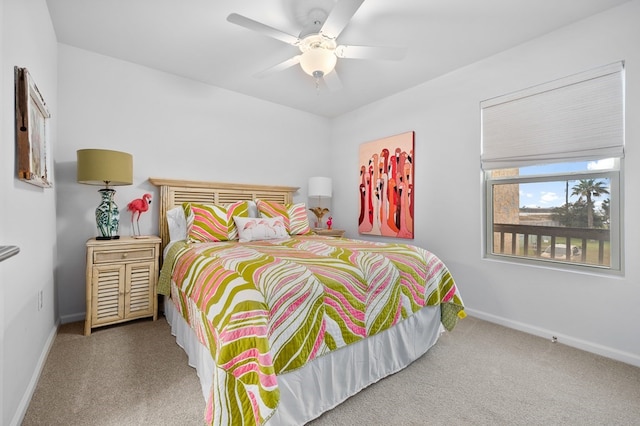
(283, 327)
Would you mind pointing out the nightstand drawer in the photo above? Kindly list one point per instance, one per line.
(116, 255)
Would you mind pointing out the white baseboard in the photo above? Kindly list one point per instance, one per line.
(28, 394)
(622, 356)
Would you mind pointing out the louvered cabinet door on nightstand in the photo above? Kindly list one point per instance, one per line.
(121, 281)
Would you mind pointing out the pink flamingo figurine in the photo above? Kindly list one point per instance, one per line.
(329, 222)
(139, 205)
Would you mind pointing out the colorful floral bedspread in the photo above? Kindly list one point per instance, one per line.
(268, 307)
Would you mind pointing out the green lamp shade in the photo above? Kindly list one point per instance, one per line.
(104, 167)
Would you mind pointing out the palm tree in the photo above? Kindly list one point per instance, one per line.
(606, 209)
(589, 188)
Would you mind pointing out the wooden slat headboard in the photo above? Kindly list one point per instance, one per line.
(175, 192)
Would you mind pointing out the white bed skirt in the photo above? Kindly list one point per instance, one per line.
(308, 392)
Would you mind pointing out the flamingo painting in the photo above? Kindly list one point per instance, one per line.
(139, 205)
(386, 186)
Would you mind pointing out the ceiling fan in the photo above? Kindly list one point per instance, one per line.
(319, 50)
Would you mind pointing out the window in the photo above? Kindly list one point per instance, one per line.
(556, 213)
(552, 162)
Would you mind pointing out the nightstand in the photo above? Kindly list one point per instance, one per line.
(121, 281)
(329, 232)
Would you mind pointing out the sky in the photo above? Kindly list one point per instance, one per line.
(552, 194)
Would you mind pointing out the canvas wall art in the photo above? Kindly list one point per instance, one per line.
(386, 186)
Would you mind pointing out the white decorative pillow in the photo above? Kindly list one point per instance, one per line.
(257, 229)
(177, 224)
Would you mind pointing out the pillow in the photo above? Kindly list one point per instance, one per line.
(212, 222)
(295, 215)
(257, 229)
(177, 224)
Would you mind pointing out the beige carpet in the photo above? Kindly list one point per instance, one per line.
(480, 374)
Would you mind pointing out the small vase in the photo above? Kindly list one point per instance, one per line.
(107, 215)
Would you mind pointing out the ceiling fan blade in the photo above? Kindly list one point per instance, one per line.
(333, 81)
(279, 67)
(250, 24)
(371, 52)
(339, 17)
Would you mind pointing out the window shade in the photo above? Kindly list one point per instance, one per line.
(576, 118)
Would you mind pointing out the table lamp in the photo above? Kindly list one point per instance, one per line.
(319, 187)
(108, 168)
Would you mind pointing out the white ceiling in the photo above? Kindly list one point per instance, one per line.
(192, 38)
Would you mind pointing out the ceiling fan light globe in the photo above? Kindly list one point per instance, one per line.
(318, 62)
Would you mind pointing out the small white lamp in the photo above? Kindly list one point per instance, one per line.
(319, 187)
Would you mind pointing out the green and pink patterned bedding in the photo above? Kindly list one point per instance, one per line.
(268, 307)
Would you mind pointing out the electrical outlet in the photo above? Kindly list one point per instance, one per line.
(40, 296)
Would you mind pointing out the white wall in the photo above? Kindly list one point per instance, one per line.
(594, 312)
(174, 128)
(28, 212)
